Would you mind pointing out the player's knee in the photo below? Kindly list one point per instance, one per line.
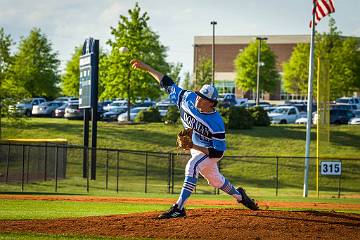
(215, 180)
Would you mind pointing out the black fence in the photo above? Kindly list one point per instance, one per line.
(59, 168)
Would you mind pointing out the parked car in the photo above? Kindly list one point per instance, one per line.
(351, 107)
(229, 99)
(60, 111)
(133, 112)
(66, 99)
(105, 104)
(349, 100)
(284, 115)
(250, 104)
(46, 109)
(72, 111)
(337, 116)
(116, 104)
(163, 108)
(144, 104)
(25, 106)
(113, 115)
(356, 119)
(301, 120)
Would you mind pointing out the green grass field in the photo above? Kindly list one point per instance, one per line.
(281, 140)
(256, 175)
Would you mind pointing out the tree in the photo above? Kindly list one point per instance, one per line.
(5, 61)
(36, 67)
(246, 68)
(203, 73)
(70, 80)
(296, 70)
(134, 33)
(187, 81)
(5, 56)
(344, 63)
(175, 70)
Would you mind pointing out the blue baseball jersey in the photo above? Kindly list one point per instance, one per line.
(208, 128)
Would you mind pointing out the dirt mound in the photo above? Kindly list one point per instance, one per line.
(203, 224)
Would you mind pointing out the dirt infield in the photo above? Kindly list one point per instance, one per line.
(229, 223)
(203, 224)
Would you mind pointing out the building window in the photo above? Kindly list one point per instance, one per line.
(225, 86)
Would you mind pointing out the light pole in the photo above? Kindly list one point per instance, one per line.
(258, 70)
(213, 23)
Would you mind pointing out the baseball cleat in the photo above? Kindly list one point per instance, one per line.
(247, 201)
(173, 212)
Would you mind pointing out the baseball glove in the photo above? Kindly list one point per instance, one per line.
(183, 140)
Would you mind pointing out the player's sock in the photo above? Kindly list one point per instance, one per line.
(187, 189)
(231, 190)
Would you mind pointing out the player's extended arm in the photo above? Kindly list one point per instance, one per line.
(137, 64)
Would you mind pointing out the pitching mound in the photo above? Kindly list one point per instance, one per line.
(203, 224)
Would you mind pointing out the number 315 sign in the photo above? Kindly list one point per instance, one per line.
(331, 168)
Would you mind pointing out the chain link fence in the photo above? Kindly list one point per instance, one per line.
(59, 168)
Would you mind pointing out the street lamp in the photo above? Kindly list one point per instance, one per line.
(213, 23)
(258, 69)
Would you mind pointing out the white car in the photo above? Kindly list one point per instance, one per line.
(163, 108)
(133, 112)
(284, 115)
(119, 104)
(355, 120)
(46, 108)
(302, 120)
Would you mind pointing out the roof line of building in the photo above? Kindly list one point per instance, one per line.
(245, 39)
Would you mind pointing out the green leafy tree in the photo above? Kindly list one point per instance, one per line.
(175, 69)
(246, 68)
(5, 61)
(70, 80)
(36, 66)
(5, 55)
(187, 81)
(203, 73)
(115, 74)
(344, 63)
(296, 70)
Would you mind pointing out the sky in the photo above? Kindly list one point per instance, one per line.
(67, 23)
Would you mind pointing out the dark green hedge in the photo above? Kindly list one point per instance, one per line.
(150, 115)
(260, 116)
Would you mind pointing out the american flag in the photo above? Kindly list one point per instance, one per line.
(322, 9)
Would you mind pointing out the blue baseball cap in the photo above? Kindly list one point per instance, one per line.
(208, 92)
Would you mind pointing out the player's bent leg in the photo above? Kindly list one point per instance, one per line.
(210, 171)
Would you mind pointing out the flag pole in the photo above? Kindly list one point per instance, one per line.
(309, 103)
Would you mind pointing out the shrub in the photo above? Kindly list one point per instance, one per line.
(150, 115)
(237, 118)
(260, 116)
(172, 115)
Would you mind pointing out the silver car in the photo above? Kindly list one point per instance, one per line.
(46, 108)
(72, 111)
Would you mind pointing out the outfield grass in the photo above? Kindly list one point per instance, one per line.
(282, 140)
(258, 175)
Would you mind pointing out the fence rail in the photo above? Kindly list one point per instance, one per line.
(59, 168)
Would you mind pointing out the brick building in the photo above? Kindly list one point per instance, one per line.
(228, 47)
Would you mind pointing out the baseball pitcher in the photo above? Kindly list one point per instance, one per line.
(204, 136)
